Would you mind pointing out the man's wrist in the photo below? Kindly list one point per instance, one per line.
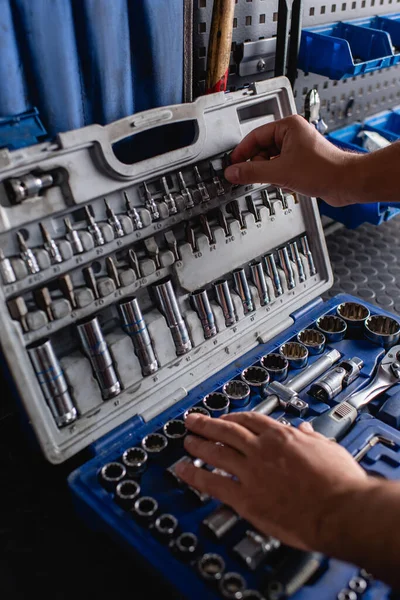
(345, 184)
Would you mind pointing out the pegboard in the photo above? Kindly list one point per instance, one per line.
(343, 102)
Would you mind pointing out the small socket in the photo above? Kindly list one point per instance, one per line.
(211, 567)
(347, 594)
(111, 474)
(126, 493)
(313, 340)
(238, 392)
(295, 353)
(135, 460)
(353, 313)
(154, 443)
(175, 430)
(382, 330)
(276, 365)
(195, 410)
(358, 585)
(145, 508)
(333, 328)
(165, 526)
(186, 545)
(257, 378)
(216, 403)
(232, 586)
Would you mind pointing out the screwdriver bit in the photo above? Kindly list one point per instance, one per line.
(216, 181)
(134, 263)
(186, 193)
(6, 270)
(112, 271)
(18, 311)
(93, 228)
(73, 237)
(168, 197)
(267, 202)
(67, 288)
(252, 208)
(50, 245)
(153, 251)
(27, 255)
(113, 220)
(150, 203)
(223, 222)
(205, 196)
(43, 300)
(191, 237)
(206, 229)
(133, 213)
(90, 280)
(237, 213)
(172, 244)
(281, 196)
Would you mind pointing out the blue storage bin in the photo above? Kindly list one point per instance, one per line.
(342, 50)
(346, 137)
(389, 24)
(21, 130)
(386, 123)
(356, 214)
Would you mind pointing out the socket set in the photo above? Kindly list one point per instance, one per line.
(135, 292)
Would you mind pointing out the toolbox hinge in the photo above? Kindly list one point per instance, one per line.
(117, 436)
(298, 314)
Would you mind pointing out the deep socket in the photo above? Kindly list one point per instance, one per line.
(305, 249)
(224, 299)
(199, 410)
(257, 378)
(111, 474)
(232, 586)
(134, 325)
(333, 328)
(216, 403)
(52, 382)
(272, 271)
(353, 313)
(168, 305)
(145, 508)
(186, 545)
(258, 277)
(276, 365)
(286, 266)
(382, 330)
(135, 460)
(154, 444)
(165, 526)
(96, 349)
(242, 289)
(313, 340)
(296, 258)
(126, 493)
(220, 522)
(175, 430)
(211, 567)
(202, 306)
(295, 353)
(6, 270)
(238, 392)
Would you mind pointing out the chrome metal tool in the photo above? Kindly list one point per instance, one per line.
(27, 255)
(224, 299)
(27, 186)
(114, 221)
(202, 306)
(205, 196)
(72, 237)
(258, 276)
(168, 305)
(134, 325)
(216, 181)
(150, 203)
(93, 228)
(185, 191)
(168, 197)
(305, 249)
(242, 289)
(133, 213)
(50, 245)
(336, 379)
(272, 271)
(6, 270)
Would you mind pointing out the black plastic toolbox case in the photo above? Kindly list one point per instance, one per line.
(95, 368)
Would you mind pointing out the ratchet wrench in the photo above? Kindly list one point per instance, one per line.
(335, 423)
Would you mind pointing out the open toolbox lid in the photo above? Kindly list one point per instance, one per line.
(84, 170)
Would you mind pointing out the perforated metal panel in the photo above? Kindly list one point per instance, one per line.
(342, 101)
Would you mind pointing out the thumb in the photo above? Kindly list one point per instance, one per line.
(256, 171)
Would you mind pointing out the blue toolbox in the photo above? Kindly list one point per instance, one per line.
(138, 286)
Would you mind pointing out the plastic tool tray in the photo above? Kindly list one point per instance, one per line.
(133, 289)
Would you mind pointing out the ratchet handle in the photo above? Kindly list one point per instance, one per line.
(335, 423)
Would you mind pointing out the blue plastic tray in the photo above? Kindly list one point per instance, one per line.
(21, 130)
(98, 509)
(386, 123)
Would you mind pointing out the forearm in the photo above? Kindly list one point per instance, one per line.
(365, 529)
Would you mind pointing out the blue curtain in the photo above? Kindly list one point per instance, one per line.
(89, 61)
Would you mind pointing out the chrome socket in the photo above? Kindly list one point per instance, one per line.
(216, 403)
(145, 508)
(211, 567)
(305, 249)
(254, 548)
(382, 330)
(296, 258)
(186, 545)
(175, 430)
(165, 526)
(333, 328)
(232, 586)
(220, 522)
(135, 460)
(257, 378)
(202, 306)
(195, 410)
(126, 493)
(242, 289)
(358, 585)
(258, 276)
(353, 313)
(276, 365)
(295, 353)
(154, 444)
(238, 392)
(347, 594)
(286, 266)
(168, 305)
(224, 299)
(272, 271)
(111, 474)
(313, 340)
(134, 325)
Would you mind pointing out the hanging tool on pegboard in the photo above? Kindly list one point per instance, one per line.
(219, 46)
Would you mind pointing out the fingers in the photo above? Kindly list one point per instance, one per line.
(222, 457)
(257, 171)
(217, 486)
(217, 430)
(255, 142)
(254, 422)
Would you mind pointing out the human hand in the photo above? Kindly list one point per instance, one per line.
(291, 154)
(289, 483)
